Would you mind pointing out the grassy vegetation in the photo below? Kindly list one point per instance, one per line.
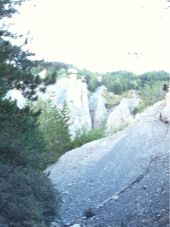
(87, 136)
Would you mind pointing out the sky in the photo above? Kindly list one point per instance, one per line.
(99, 35)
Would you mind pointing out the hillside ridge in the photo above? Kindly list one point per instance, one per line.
(130, 166)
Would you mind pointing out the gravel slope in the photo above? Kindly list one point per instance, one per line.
(123, 179)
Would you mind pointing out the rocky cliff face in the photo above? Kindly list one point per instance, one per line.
(121, 180)
(121, 115)
(85, 112)
(97, 106)
(74, 92)
(115, 118)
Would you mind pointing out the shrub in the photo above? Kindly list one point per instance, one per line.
(150, 94)
(27, 197)
(84, 136)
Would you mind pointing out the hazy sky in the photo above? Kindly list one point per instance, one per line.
(100, 35)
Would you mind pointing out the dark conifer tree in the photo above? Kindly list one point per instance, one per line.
(26, 195)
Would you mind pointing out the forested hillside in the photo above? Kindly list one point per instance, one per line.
(149, 85)
(116, 82)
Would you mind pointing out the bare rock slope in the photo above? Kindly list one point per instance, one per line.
(121, 180)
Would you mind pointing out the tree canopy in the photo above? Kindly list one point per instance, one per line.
(27, 196)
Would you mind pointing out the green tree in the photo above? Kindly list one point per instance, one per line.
(152, 77)
(119, 82)
(150, 94)
(26, 195)
(54, 126)
(91, 79)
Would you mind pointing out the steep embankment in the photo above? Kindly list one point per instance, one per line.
(122, 178)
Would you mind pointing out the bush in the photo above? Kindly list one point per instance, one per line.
(27, 197)
(87, 136)
(150, 94)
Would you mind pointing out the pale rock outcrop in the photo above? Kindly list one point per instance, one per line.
(121, 115)
(97, 107)
(133, 101)
(74, 92)
(165, 113)
(70, 89)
